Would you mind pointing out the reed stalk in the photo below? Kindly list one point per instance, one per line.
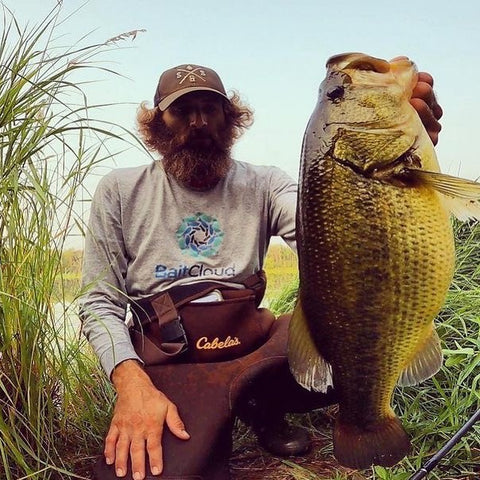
(50, 140)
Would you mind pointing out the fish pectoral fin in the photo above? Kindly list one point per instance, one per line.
(459, 195)
(426, 362)
(308, 367)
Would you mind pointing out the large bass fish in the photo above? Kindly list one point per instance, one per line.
(376, 252)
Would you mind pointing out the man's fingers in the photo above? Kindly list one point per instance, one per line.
(431, 124)
(119, 447)
(154, 449)
(424, 91)
(425, 77)
(110, 445)
(425, 103)
(121, 455)
(137, 455)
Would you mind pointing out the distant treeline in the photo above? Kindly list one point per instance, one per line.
(67, 285)
(281, 269)
(280, 255)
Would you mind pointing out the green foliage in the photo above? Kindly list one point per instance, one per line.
(49, 142)
(281, 268)
(433, 411)
(67, 285)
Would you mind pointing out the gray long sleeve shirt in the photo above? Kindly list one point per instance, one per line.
(146, 233)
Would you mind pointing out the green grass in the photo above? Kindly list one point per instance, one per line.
(433, 411)
(281, 268)
(49, 142)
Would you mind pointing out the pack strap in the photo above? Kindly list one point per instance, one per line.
(163, 307)
(159, 315)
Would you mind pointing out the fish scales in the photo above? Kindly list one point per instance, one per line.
(372, 283)
(376, 252)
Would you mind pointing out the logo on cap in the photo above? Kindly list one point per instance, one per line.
(190, 73)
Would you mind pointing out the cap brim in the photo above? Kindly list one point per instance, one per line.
(169, 99)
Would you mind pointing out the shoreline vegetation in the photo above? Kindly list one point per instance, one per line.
(280, 264)
(431, 412)
(55, 404)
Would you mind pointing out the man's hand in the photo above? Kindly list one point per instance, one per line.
(424, 102)
(139, 416)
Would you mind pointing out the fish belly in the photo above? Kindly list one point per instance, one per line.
(376, 261)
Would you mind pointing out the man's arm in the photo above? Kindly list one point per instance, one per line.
(282, 205)
(104, 298)
(141, 410)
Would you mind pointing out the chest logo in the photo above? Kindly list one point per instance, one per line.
(200, 235)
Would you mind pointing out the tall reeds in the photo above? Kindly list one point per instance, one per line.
(49, 142)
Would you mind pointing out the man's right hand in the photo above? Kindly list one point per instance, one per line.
(139, 416)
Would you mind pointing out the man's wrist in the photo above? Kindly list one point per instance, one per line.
(129, 372)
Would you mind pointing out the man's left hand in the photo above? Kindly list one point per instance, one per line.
(425, 103)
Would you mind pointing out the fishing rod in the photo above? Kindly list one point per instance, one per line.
(432, 463)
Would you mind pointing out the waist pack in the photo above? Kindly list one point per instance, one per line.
(183, 325)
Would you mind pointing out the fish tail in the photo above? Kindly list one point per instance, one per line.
(384, 443)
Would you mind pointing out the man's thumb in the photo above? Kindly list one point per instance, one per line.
(175, 424)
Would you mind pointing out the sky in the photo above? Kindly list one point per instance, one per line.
(273, 53)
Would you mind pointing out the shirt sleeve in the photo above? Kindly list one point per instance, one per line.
(283, 193)
(104, 297)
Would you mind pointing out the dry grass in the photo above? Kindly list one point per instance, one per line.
(250, 462)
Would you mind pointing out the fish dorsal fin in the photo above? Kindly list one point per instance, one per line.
(308, 367)
(459, 195)
(426, 362)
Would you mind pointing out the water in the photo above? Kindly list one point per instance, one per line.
(67, 322)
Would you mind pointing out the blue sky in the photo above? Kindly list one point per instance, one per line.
(274, 52)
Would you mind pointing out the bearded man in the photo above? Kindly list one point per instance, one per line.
(195, 215)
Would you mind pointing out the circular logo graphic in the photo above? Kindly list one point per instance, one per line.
(200, 235)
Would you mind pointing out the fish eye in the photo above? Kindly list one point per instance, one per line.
(336, 94)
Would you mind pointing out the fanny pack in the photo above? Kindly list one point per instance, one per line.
(201, 322)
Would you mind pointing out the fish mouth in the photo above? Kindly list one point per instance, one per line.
(358, 61)
(363, 69)
(371, 64)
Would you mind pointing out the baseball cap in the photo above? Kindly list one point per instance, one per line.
(178, 81)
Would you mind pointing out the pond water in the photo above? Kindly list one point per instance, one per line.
(67, 322)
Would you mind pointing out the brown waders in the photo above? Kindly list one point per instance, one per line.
(209, 395)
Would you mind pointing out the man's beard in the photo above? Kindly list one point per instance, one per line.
(195, 158)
